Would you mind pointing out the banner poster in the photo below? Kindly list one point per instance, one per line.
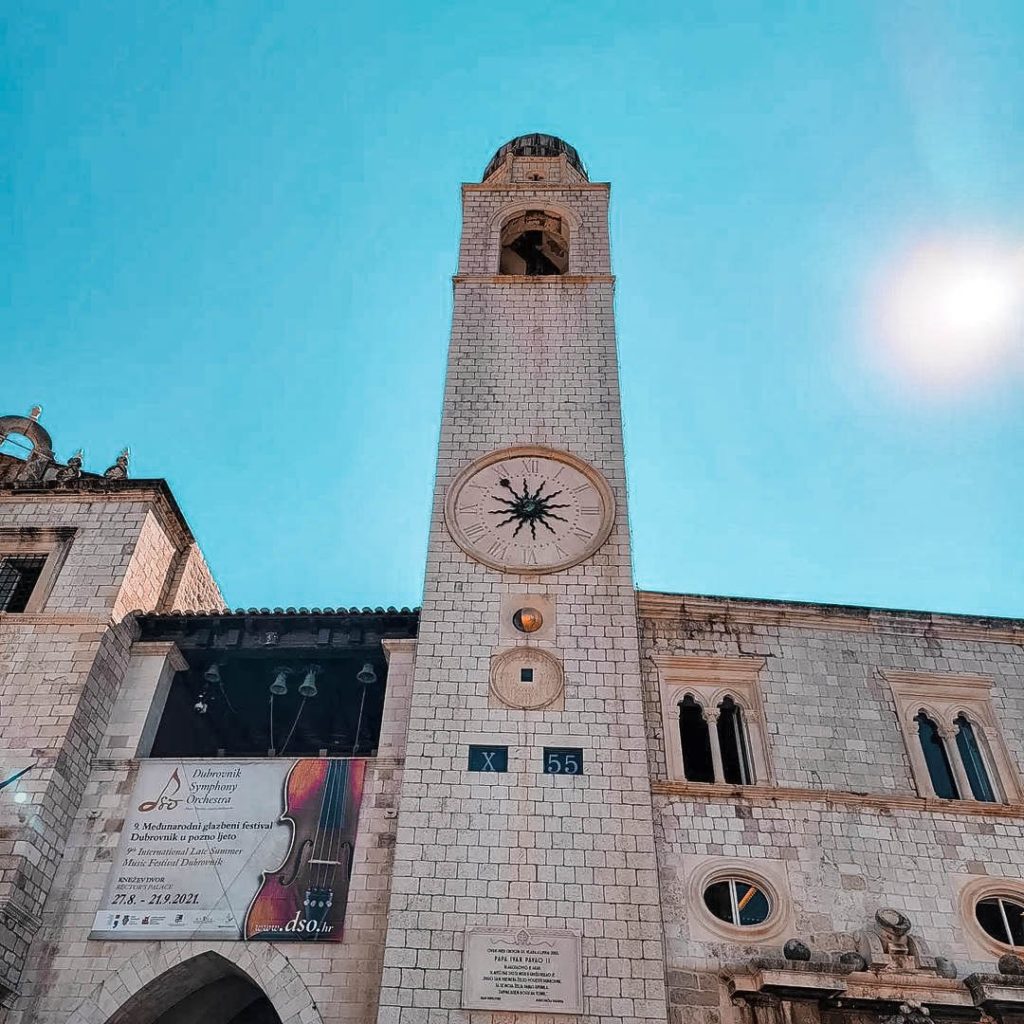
(223, 849)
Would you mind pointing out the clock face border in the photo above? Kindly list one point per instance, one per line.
(593, 476)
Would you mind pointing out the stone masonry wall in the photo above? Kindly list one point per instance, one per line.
(830, 713)
(868, 841)
(192, 587)
(59, 672)
(146, 575)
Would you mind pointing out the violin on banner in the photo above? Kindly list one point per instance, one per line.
(304, 899)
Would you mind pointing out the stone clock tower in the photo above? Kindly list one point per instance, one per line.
(525, 878)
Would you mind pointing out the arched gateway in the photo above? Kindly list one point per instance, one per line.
(203, 987)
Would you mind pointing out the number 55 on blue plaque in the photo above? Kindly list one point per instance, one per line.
(563, 761)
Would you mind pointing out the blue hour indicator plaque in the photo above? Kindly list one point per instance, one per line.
(487, 759)
(563, 761)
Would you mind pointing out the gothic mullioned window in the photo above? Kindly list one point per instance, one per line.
(954, 743)
(714, 742)
(713, 719)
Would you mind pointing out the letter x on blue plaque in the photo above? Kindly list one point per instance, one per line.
(488, 759)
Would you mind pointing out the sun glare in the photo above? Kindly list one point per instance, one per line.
(952, 311)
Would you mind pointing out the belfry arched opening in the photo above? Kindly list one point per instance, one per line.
(534, 244)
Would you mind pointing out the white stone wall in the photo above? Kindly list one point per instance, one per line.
(532, 360)
(830, 713)
(843, 832)
(61, 668)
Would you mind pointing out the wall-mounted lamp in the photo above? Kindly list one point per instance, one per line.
(527, 620)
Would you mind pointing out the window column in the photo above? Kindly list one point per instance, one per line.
(712, 715)
(963, 784)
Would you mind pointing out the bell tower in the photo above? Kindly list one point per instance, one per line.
(525, 877)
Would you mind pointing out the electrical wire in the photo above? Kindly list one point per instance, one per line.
(298, 714)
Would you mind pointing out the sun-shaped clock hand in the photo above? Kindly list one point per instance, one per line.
(528, 509)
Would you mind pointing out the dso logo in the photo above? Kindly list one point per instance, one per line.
(166, 801)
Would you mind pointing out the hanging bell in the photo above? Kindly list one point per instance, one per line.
(366, 675)
(307, 688)
(212, 674)
(279, 687)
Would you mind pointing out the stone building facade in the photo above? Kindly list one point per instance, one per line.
(572, 800)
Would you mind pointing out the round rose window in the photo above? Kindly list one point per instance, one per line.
(737, 902)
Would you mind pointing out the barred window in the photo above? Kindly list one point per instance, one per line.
(18, 577)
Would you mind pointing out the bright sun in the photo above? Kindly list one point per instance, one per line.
(952, 310)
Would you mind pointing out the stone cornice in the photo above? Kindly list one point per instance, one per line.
(91, 489)
(549, 280)
(46, 619)
(714, 792)
(119, 764)
(840, 618)
(161, 649)
(943, 685)
(395, 647)
(292, 629)
(536, 186)
(707, 666)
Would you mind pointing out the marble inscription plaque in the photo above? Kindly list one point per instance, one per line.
(537, 970)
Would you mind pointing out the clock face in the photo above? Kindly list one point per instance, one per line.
(529, 510)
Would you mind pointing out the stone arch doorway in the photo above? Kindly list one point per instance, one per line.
(206, 988)
(161, 976)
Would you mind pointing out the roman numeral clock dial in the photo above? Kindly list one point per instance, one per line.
(530, 509)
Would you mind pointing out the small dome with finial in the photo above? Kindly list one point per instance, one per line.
(535, 144)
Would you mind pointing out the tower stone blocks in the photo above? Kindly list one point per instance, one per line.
(532, 361)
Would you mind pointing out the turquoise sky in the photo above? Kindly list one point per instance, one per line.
(230, 227)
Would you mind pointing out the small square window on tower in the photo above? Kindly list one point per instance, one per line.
(29, 562)
(526, 675)
(19, 575)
